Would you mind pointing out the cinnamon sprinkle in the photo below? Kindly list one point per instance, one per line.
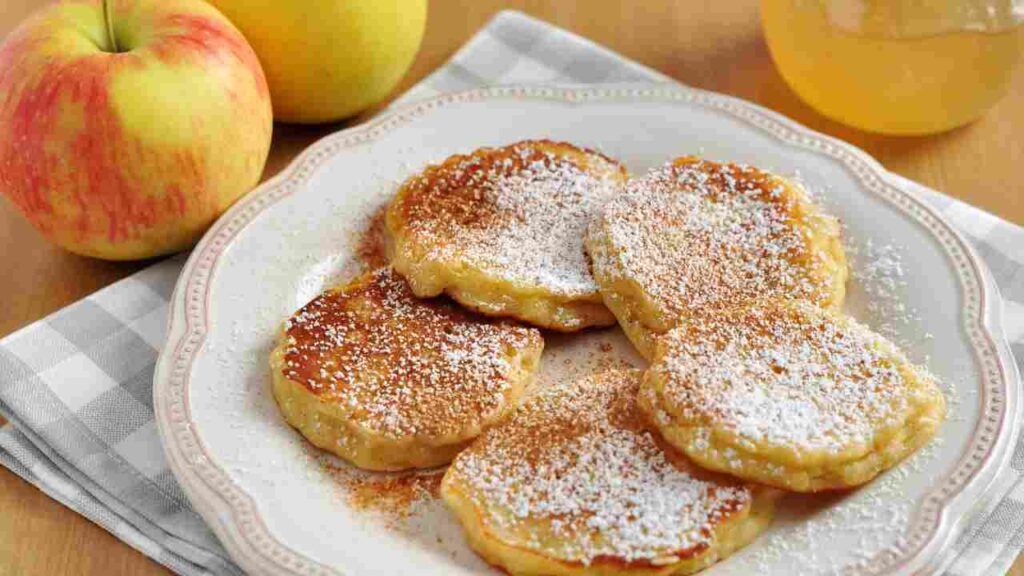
(369, 248)
(394, 496)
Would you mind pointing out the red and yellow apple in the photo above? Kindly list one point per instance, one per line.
(127, 142)
(329, 59)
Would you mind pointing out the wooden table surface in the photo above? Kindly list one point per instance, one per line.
(712, 44)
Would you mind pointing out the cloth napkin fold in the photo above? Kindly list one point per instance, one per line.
(76, 387)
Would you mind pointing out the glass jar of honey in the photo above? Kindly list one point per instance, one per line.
(896, 66)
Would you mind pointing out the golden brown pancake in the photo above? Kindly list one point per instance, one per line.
(790, 395)
(693, 235)
(388, 381)
(573, 483)
(501, 231)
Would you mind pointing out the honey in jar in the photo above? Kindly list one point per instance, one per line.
(896, 66)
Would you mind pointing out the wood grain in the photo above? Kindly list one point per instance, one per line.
(711, 44)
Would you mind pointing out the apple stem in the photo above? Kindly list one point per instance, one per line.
(108, 19)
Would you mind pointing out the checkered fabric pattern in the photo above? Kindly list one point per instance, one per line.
(76, 386)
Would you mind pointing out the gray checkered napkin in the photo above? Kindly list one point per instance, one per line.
(77, 385)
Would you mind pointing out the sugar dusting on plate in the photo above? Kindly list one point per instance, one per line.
(878, 269)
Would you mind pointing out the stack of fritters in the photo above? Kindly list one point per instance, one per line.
(729, 279)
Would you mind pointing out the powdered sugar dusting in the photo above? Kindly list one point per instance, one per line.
(792, 377)
(518, 213)
(694, 233)
(807, 526)
(577, 458)
(879, 272)
(399, 364)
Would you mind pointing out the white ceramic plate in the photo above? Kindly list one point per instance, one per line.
(279, 511)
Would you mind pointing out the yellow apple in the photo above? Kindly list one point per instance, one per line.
(128, 142)
(329, 59)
